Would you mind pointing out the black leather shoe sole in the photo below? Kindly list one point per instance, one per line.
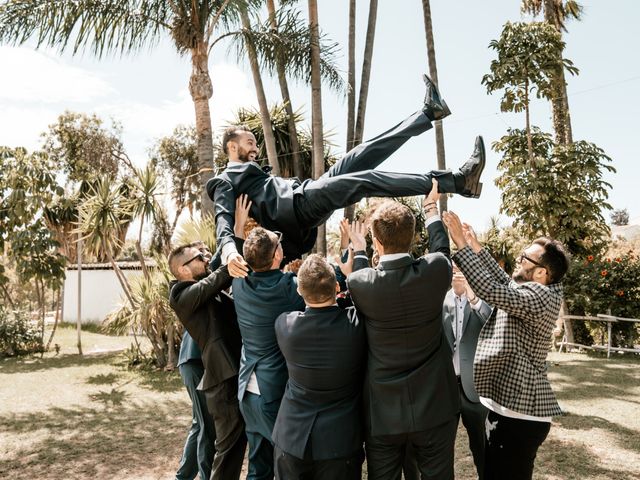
(473, 186)
(435, 108)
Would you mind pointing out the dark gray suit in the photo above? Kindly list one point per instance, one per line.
(411, 393)
(473, 413)
(296, 208)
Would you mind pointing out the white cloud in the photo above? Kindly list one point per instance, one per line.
(38, 77)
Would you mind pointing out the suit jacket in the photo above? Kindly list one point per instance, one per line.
(260, 298)
(272, 205)
(510, 365)
(472, 323)
(209, 316)
(411, 384)
(325, 353)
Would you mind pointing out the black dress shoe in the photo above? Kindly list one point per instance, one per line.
(472, 169)
(434, 107)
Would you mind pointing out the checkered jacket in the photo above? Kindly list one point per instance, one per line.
(510, 362)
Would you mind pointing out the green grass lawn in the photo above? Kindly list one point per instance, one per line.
(71, 417)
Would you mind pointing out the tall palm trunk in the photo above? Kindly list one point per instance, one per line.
(79, 310)
(316, 111)
(265, 116)
(560, 99)
(366, 71)
(145, 271)
(349, 212)
(298, 171)
(433, 73)
(201, 91)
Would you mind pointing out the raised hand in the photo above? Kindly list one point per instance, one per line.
(471, 238)
(243, 205)
(357, 234)
(238, 268)
(344, 233)
(293, 266)
(454, 226)
(346, 267)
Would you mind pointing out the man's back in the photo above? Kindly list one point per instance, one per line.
(412, 386)
(325, 352)
(260, 299)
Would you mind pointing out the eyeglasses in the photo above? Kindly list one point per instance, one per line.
(198, 256)
(524, 257)
(275, 250)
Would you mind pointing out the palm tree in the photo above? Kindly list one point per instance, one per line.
(366, 71)
(556, 13)
(433, 73)
(126, 26)
(286, 97)
(316, 111)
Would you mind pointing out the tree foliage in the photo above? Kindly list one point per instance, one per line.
(566, 197)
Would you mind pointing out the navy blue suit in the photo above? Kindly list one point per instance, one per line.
(197, 455)
(259, 299)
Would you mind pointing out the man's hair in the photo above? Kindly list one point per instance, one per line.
(176, 258)
(231, 133)
(555, 258)
(258, 250)
(394, 226)
(316, 280)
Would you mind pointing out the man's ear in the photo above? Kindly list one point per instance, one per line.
(337, 287)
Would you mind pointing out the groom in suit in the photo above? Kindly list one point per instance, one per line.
(411, 394)
(296, 208)
(463, 316)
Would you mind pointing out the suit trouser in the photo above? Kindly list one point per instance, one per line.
(198, 450)
(222, 402)
(474, 416)
(433, 450)
(512, 445)
(370, 154)
(288, 467)
(260, 417)
(321, 197)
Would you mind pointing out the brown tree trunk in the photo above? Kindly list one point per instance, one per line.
(171, 354)
(316, 112)
(145, 271)
(298, 171)
(349, 212)
(433, 73)
(265, 116)
(201, 91)
(559, 99)
(56, 320)
(7, 295)
(366, 71)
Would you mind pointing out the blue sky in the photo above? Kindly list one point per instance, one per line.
(148, 93)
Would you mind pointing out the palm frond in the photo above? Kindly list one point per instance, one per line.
(122, 26)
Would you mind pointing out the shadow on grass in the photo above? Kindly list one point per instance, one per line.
(124, 441)
(627, 438)
(594, 378)
(37, 364)
(572, 461)
(160, 380)
(103, 379)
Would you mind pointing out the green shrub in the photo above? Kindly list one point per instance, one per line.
(18, 335)
(599, 285)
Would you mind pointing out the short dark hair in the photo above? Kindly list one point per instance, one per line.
(231, 133)
(258, 250)
(316, 280)
(394, 226)
(176, 256)
(555, 258)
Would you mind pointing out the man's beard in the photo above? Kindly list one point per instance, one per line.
(523, 275)
(205, 274)
(243, 155)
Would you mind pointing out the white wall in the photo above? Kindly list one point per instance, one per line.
(101, 294)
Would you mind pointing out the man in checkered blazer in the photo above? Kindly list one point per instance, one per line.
(510, 363)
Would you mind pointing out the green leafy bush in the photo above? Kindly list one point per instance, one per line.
(600, 284)
(18, 336)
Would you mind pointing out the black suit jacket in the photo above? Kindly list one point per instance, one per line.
(272, 205)
(325, 353)
(411, 385)
(209, 316)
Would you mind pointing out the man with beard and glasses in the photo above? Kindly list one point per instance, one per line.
(510, 372)
(297, 208)
(208, 314)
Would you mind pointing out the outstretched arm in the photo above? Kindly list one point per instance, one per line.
(203, 291)
(438, 238)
